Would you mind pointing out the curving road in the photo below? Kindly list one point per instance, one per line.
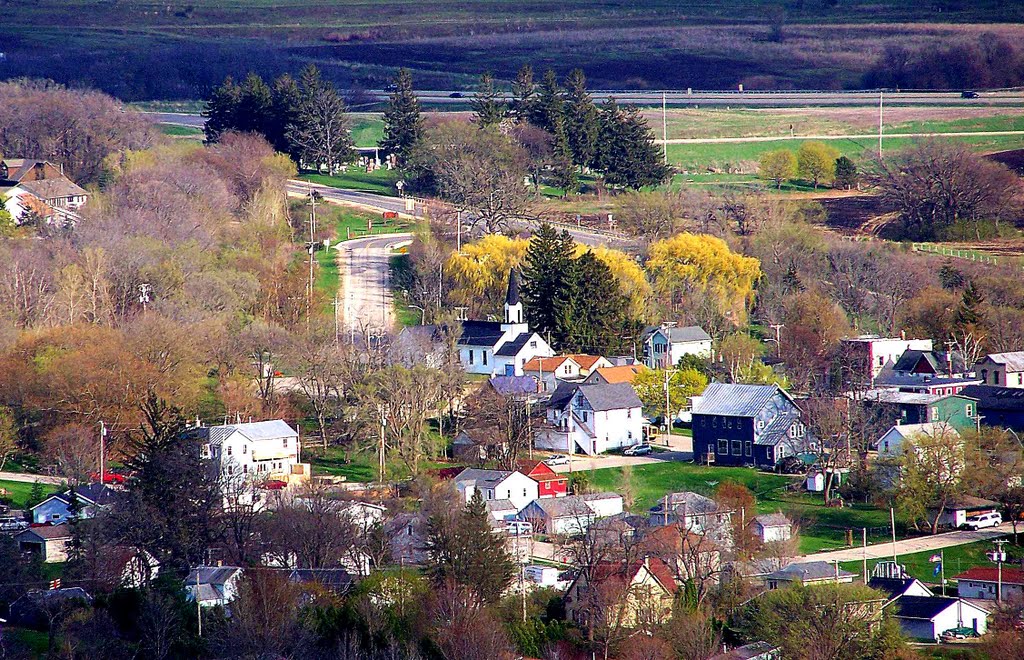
(367, 303)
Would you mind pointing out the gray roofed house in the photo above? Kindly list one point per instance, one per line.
(936, 363)
(772, 527)
(29, 610)
(666, 345)
(52, 190)
(692, 510)
(497, 485)
(752, 425)
(591, 418)
(49, 542)
(809, 573)
(213, 585)
(1001, 369)
(570, 515)
(336, 580)
(501, 509)
(752, 651)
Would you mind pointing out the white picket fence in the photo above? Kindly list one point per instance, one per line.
(968, 255)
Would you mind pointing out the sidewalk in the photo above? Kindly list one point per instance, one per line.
(30, 478)
(910, 546)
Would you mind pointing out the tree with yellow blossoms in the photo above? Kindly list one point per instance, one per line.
(691, 267)
(479, 274)
(629, 274)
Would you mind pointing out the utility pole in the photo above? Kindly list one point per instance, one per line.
(880, 95)
(309, 293)
(383, 424)
(668, 426)
(664, 127)
(777, 327)
(103, 449)
(458, 232)
(337, 338)
(998, 556)
(199, 605)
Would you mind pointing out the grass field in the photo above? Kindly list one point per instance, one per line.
(186, 132)
(19, 492)
(367, 129)
(821, 527)
(381, 181)
(957, 558)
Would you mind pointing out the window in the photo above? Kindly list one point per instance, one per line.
(490, 494)
(629, 413)
(760, 425)
(245, 448)
(723, 447)
(583, 415)
(714, 422)
(1020, 379)
(471, 356)
(228, 450)
(935, 413)
(629, 435)
(524, 492)
(748, 448)
(483, 357)
(245, 469)
(737, 448)
(970, 410)
(533, 344)
(881, 361)
(55, 516)
(231, 469)
(284, 442)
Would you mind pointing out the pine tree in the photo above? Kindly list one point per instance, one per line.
(581, 124)
(254, 106)
(546, 111)
(628, 156)
(547, 270)
(488, 108)
(562, 168)
(403, 125)
(462, 547)
(524, 94)
(221, 111)
(285, 102)
(598, 309)
(320, 134)
(968, 314)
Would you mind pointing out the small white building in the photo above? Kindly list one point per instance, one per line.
(591, 418)
(772, 528)
(925, 618)
(891, 444)
(1002, 369)
(544, 576)
(513, 486)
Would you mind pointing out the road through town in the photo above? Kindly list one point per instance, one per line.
(366, 301)
(910, 546)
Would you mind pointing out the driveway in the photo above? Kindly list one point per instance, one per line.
(31, 478)
(909, 546)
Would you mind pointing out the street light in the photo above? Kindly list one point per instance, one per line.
(423, 312)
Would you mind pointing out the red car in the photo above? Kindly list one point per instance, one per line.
(108, 478)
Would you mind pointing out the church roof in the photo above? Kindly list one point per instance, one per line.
(512, 296)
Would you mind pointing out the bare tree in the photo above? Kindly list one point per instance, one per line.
(499, 424)
(313, 529)
(464, 629)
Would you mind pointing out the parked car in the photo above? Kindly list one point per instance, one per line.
(557, 459)
(983, 520)
(12, 524)
(963, 632)
(637, 450)
(519, 528)
(968, 95)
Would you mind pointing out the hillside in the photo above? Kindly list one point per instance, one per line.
(159, 50)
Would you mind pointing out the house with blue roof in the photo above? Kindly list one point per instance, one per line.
(746, 425)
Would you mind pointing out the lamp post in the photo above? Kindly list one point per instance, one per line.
(423, 312)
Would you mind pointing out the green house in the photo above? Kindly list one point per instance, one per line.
(960, 412)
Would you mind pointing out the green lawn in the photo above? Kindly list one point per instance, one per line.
(19, 492)
(958, 559)
(722, 155)
(821, 527)
(175, 130)
(361, 466)
(367, 129)
(381, 181)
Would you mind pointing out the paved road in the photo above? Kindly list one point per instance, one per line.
(367, 303)
(908, 546)
(31, 478)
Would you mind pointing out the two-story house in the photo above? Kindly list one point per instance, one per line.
(513, 486)
(957, 410)
(624, 595)
(36, 186)
(549, 482)
(755, 425)
(1001, 369)
(998, 406)
(867, 355)
(591, 418)
(665, 345)
(259, 451)
(549, 371)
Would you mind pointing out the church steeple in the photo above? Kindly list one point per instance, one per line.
(513, 306)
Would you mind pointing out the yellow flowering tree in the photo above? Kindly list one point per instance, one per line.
(479, 275)
(629, 274)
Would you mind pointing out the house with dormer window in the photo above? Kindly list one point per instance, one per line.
(591, 418)
(752, 425)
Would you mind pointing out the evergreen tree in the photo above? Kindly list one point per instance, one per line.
(524, 94)
(581, 124)
(562, 168)
(597, 314)
(254, 106)
(285, 101)
(969, 314)
(627, 155)
(488, 108)
(546, 111)
(846, 173)
(403, 125)
(320, 134)
(547, 277)
(463, 548)
(172, 489)
(221, 111)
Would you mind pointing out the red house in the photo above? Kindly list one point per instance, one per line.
(549, 482)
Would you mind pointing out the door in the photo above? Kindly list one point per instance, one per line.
(510, 370)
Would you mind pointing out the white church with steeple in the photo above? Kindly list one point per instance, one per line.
(501, 349)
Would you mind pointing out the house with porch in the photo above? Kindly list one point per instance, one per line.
(591, 418)
(571, 515)
(627, 595)
(753, 425)
(254, 451)
(665, 345)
